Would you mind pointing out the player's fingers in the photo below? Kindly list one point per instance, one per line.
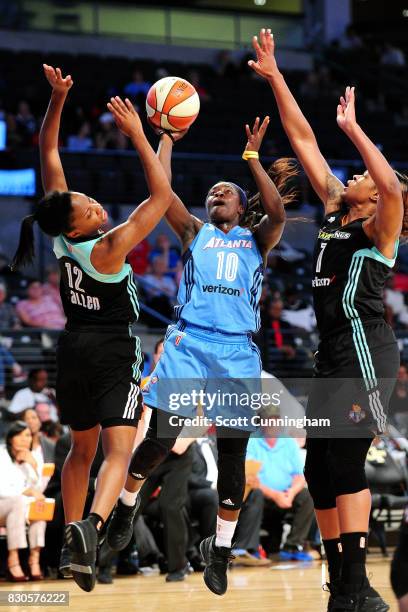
(58, 71)
(248, 131)
(343, 102)
(121, 104)
(130, 106)
(264, 125)
(269, 40)
(256, 46)
(116, 106)
(256, 125)
(262, 37)
(352, 94)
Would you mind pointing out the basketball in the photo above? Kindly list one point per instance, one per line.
(172, 104)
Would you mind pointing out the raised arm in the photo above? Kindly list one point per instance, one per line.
(52, 173)
(385, 226)
(184, 224)
(300, 134)
(110, 252)
(270, 228)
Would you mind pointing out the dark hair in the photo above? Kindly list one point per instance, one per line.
(158, 343)
(53, 215)
(51, 429)
(403, 179)
(14, 430)
(281, 172)
(33, 373)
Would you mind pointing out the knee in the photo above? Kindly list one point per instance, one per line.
(347, 473)
(147, 457)
(82, 452)
(319, 485)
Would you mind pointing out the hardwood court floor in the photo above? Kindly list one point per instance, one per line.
(284, 586)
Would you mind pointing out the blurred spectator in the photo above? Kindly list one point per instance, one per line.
(395, 302)
(139, 257)
(160, 289)
(8, 315)
(194, 78)
(52, 430)
(137, 86)
(82, 140)
(42, 448)
(399, 400)
(37, 395)
(297, 311)
(283, 485)
(281, 332)
(39, 309)
(351, 40)
(20, 482)
(52, 286)
(309, 88)
(171, 253)
(392, 56)
(108, 136)
(224, 65)
(7, 361)
(26, 122)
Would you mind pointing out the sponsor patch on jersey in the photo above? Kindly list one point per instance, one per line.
(337, 235)
(331, 219)
(219, 243)
(323, 282)
(223, 290)
(357, 414)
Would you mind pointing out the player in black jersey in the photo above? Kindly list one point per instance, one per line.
(399, 566)
(98, 359)
(356, 249)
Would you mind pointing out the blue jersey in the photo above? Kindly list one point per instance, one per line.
(222, 281)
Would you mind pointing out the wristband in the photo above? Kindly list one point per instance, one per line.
(250, 155)
(169, 134)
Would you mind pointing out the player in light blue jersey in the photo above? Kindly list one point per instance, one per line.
(211, 342)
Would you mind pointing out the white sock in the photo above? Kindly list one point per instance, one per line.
(128, 497)
(225, 532)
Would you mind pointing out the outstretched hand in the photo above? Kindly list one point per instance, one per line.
(265, 64)
(56, 80)
(256, 136)
(125, 115)
(346, 110)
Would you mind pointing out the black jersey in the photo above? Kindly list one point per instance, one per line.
(349, 276)
(92, 300)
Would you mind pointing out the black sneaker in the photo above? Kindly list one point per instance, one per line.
(216, 559)
(365, 600)
(64, 567)
(179, 575)
(120, 528)
(82, 539)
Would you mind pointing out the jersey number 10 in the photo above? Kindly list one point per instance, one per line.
(231, 266)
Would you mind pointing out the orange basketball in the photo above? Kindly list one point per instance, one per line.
(172, 104)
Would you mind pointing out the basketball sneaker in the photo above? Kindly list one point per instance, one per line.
(216, 559)
(64, 567)
(82, 540)
(120, 528)
(367, 599)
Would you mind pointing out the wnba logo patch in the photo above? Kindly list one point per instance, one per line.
(178, 339)
(356, 414)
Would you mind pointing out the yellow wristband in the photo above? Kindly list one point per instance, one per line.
(250, 155)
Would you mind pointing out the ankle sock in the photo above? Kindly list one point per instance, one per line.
(334, 557)
(354, 547)
(225, 532)
(128, 498)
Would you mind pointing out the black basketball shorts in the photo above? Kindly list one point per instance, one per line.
(355, 373)
(98, 379)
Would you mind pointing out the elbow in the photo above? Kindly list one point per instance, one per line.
(391, 188)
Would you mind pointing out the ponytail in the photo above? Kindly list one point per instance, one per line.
(25, 250)
(282, 171)
(53, 215)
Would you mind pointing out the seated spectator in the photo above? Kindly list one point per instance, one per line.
(139, 257)
(8, 315)
(203, 507)
(82, 140)
(7, 361)
(171, 253)
(26, 123)
(52, 286)
(42, 448)
(281, 332)
(20, 482)
(160, 289)
(392, 56)
(282, 484)
(351, 40)
(39, 310)
(194, 78)
(37, 394)
(108, 136)
(395, 302)
(399, 400)
(52, 430)
(137, 86)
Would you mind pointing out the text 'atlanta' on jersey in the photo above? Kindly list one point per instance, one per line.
(98, 358)
(222, 281)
